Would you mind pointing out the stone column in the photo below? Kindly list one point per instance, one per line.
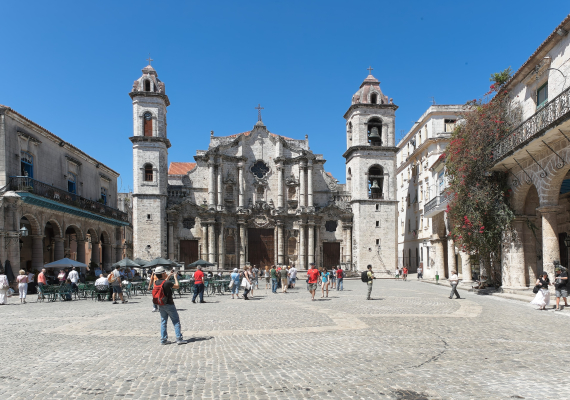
(349, 246)
(94, 253)
(37, 252)
(311, 244)
(466, 263)
(451, 264)
(280, 243)
(220, 188)
(513, 273)
(275, 245)
(211, 242)
(240, 185)
(241, 243)
(204, 240)
(211, 184)
(13, 251)
(171, 240)
(80, 251)
(302, 190)
(310, 184)
(107, 249)
(550, 247)
(302, 253)
(279, 185)
(59, 251)
(318, 261)
(439, 263)
(221, 247)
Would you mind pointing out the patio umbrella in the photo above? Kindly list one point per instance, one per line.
(141, 262)
(65, 263)
(160, 261)
(202, 263)
(126, 262)
(8, 271)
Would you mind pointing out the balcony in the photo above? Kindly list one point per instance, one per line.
(342, 200)
(32, 186)
(436, 205)
(549, 116)
(376, 196)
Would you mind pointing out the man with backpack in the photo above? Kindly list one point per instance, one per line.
(340, 279)
(162, 297)
(368, 277)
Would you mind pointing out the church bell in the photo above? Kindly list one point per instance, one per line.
(374, 134)
(375, 185)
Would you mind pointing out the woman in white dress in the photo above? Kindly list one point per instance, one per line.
(4, 286)
(542, 298)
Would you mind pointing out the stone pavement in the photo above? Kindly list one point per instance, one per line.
(410, 342)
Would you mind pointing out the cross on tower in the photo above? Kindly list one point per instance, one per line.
(369, 70)
(259, 108)
(149, 59)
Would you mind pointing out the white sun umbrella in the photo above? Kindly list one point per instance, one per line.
(65, 263)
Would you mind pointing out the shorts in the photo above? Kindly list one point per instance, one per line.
(562, 292)
(117, 289)
(267, 280)
(312, 286)
(292, 280)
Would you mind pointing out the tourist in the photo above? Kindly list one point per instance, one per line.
(252, 280)
(198, 285)
(235, 283)
(168, 309)
(31, 282)
(74, 278)
(283, 275)
(61, 277)
(117, 285)
(542, 298)
(405, 273)
(332, 278)
(454, 281)
(4, 286)
(246, 282)
(370, 276)
(397, 273)
(312, 279)
(292, 276)
(102, 281)
(267, 277)
(325, 279)
(340, 279)
(561, 288)
(22, 280)
(255, 272)
(42, 281)
(420, 272)
(273, 273)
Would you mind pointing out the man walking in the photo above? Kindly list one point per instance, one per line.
(405, 273)
(292, 276)
(454, 280)
(340, 279)
(41, 282)
(168, 309)
(283, 274)
(117, 285)
(273, 273)
(198, 285)
(313, 275)
(371, 278)
(74, 278)
(560, 286)
(255, 283)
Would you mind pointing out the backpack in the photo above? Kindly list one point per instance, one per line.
(158, 296)
(111, 277)
(364, 276)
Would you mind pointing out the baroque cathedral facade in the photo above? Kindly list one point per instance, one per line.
(260, 198)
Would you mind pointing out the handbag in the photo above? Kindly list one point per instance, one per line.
(231, 285)
(536, 289)
(245, 284)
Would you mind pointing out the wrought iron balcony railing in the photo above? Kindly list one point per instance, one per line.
(553, 113)
(436, 201)
(22, 183)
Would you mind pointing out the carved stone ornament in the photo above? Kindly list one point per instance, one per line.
(290, 180)
(261, 221)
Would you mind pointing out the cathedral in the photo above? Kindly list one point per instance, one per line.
(259, 198)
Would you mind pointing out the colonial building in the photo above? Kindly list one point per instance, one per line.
(422, 232)
(261, 198)
(536, 154)
(57, 201)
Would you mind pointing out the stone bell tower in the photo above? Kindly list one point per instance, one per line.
(150, 165)
(371, 176)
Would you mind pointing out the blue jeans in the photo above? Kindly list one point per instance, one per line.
(198, 290)
(169, 310)
(235, 288)
(339, 284)
(274, 285)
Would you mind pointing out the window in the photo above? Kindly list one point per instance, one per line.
(373, 98)
(440, 183)
(230, 245)
(409, 226)
(377, 242)
(148, 173)
(103, 195)
(148, 216)
(188, 223)
(291, 193)
(542, 95)
(375, 132)
(71, 183)
(147, 85)
(27, 164)
(377, 224)
(377, 207)
(259, 169)
(260, 192)
(147, 124)
(331, 226)
(449, 125)
(375, 182)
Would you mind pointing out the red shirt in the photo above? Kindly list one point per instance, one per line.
(313, 275)
(198, 277)
(405, 270)
(42, 278)
(339, 273)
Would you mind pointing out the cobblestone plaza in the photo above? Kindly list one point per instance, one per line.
(410, 342)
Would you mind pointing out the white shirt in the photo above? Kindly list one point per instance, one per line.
(73, 277)
(31, 277)
(454, 279)
(293, 273)
(102, 282)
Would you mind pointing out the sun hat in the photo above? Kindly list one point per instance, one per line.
(235, 270)
(159, 270)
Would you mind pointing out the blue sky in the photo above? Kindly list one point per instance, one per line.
(69, 66)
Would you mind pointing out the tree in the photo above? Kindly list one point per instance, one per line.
(479, 211)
